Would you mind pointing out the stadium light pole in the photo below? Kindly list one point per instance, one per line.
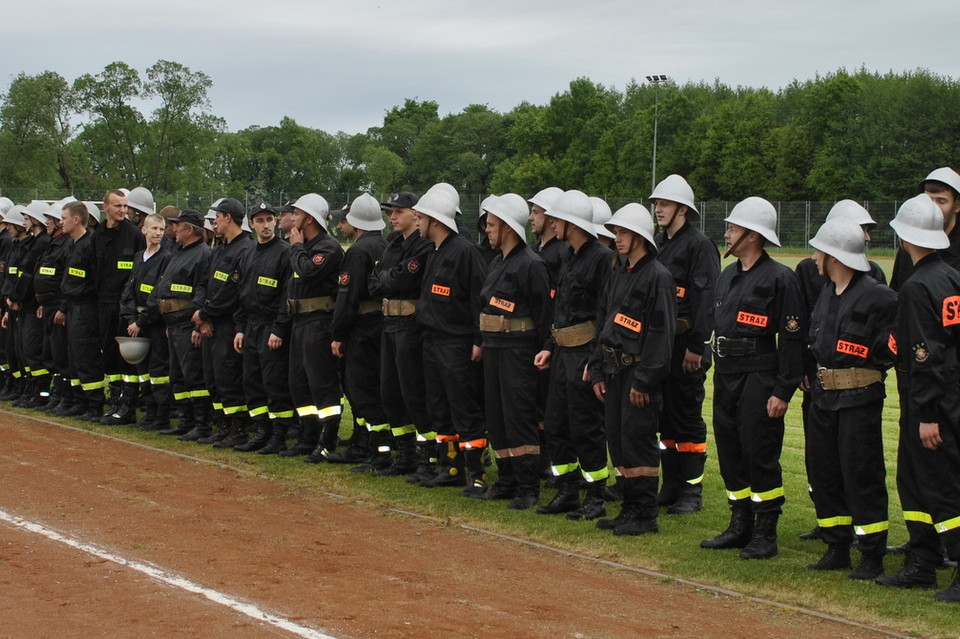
(656, 80)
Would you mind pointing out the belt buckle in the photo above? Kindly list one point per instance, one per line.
(820, 371)
(718, 344)
(626, 360)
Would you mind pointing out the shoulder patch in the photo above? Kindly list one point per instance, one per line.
(413, 266)
(319, 258)
(920, 353)
(344, 279)
(793, 324)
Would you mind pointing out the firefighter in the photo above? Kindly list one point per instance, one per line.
(315, 260)
(16, 226)
(448, 314)
(115, 243)
(637, 314)
(514, 325)
(6, 247)
(849, 330)
(396, 279)
(263, 334)
(154, 371)
(46, 284)
(694, 262)
(943, 187)
(170, 306)
(357, 330)
(79, 312)
(758, 324)
(574, 418)
(925, 341)
(223, 365)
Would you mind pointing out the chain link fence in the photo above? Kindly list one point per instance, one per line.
(798, 221)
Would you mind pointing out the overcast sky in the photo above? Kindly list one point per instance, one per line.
(342, 65)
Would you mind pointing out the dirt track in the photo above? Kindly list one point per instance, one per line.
(346, 570)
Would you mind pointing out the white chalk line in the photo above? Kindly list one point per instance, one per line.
(168, 578)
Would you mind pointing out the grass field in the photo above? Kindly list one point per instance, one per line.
(676, 549)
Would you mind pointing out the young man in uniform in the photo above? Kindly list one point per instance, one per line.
(46, 286)
(514, 325)
(849, 331)
(448, 314)
(759, 348)
(925, 341)
(263, 334)
(575, 434)
(14, 220)
(694, 262)
(637, 311)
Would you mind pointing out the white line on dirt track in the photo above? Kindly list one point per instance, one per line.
(168, 578)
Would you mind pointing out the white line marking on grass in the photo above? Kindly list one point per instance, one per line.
(168, 578)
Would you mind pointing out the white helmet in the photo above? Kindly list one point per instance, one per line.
(512, 210)
(245, 225)
(574, 207)
(756, 214)
(141, 199)
(365, 213)
(636, 218)
(674, 188)
(450, 192)
(945, 175)
(14, 215)
(315, 206)
(437, 204)
(545, 198)
(850, 210)
(37, 209)
(133, 350)
(211, 213)
(5, 204)
(56, 209)
(94, 211)
(483, 212)
(920, 222)
(601, 215)
(842, 239)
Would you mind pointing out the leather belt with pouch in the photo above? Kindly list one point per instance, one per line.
(618, 358)
(310, 305)
(576, 335)
(847, 378)
(173, 304)
(501, 324)
(399, 308)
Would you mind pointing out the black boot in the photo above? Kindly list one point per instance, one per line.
(55, 395)
(506, 485)
(837, 557)
(640, 504)
(278, 437)
(237, 434)
(451, 466)
(26, 393)
(476, 474)
(14, 389)
(813, 534)
(202, 423)
(763, 544)
(671, 476)
(426, 462)
(358, 447)
(869, 567)
(593, 506)
(93, 409)
(406, 461)
(309, 438)
(68, 399)
(567, 498)
(690, 496)
(219, 430)
(952, 592)
(689, 502)
(260, 438)
(738, 533)
(528, 482)
(126, 410)
(329, 428)
(913, 575)
(380, 456)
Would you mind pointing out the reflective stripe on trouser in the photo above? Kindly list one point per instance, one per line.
(510, 397)
(313, 374)
(748, 442)
(185, 361)
(847, 473)
(266, 371)
(83, 342)
(402, 389)
(454, 402)
(227, 368)
(361, 369)
(631, 431)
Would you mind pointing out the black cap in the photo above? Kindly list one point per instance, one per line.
(286, 208)
(403, 200)
(190, 217)
(335, 215)
(262, 207)
(231, 207)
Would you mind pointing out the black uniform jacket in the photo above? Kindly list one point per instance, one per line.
(517, 285)
(355, 270)
(926, 341)
(852, 330)
(903, 266)
(184, 278)
(32, 249)
(694, 263)
(264, 273)
(315, 267)
(79, 285)
(552, 254)
(49, 274)
(762, 304)
(398, 274)
(136, 291)
(450, 290)
(115, 249)
(638, 311)
(223, 282)
(579, 285)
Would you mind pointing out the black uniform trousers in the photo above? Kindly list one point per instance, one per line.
(574, 417)
(266, 374)
(928, 483)
(681, 425)
(186, 363)
(361, 373)
(226, 365)
(155, 369)
(749, 442)
(55, 357)
(83, 342)
(114, 366)
(454, 402)
(402, 388)
(847, 474)
(314, 378)
(31, 341)
(510, 399)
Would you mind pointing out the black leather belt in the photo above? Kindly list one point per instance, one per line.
(742, 346)
(618, 358)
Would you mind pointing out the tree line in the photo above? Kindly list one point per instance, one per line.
(864, 135)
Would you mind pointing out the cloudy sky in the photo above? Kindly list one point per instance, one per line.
(342, 65)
